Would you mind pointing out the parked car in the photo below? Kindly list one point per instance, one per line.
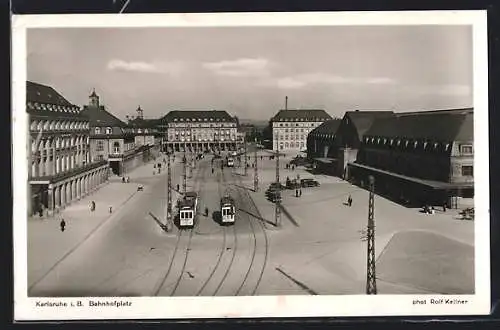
(309, 183)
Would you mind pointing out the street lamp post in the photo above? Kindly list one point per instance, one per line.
(371, 284)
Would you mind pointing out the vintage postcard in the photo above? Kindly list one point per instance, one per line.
(250, 165)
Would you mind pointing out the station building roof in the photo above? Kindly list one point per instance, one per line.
(45, 101)
(327, 129)
(442, 125)
(308, 115)
(197, 116)
(363, 120)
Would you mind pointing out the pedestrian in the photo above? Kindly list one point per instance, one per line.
(444, 207)
(212, 170)
(111, 209)
(296, 193)
(123, 179)
(62, 225)
(177, 187)
(92, 206)
(349, 201)
(300, 192)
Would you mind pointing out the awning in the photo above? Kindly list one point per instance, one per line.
(440, 185)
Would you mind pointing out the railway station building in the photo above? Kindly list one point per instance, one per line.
(335, 143)
(61, 168)
(112, 140)
(199, 130)
(290, 127)
(421, 158)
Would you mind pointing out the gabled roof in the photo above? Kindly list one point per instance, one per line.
(363, 120)
(301, 115)
(45, 101)
(100, 117)
(443, 126)
(328, 127)
(197, 115)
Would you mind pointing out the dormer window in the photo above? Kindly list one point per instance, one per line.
(97, 130)
(108, 130)
(415, 144)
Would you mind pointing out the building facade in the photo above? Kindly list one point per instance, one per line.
(291, 127)
(335, 144)
(146, 132)
(112, 140)
(419, 158)
(61, 168)
(198, 131)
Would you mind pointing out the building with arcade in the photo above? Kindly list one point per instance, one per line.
(198, 131)
(61, 168)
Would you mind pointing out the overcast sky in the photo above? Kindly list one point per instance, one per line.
(248, 71)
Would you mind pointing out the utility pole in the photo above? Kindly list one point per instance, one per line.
(277, 203)
(255, 170)
(371, 282)
(184, 173)
(169, 195)
(246, 157)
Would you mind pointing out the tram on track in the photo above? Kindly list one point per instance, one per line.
(227, 210)
(188, 209)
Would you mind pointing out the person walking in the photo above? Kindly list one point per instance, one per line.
(62, 225)
(92, 206)
(349, 201)
(111, 209)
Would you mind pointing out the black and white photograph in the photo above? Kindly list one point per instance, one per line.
(246, 165)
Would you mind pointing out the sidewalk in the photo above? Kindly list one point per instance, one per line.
(47, 244)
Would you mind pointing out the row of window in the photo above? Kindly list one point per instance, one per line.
(287, 145)
(63, 143)
(199, 139)
(303, 119)
(48, 125)
(204, 133)
(297, 125)
(52, 107)
(204, 120)
(292, 137)
(296, 130)
(405, 142)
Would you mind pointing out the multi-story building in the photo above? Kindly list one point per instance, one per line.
(146, 131)
(61, 168)
(291, 127)
(199, 131)
(419, 158)
(335, 144)
(113, 140)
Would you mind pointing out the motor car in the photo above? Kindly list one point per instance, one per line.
(309, 183)
(140, 188)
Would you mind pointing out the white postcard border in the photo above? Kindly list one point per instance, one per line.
(261, 306)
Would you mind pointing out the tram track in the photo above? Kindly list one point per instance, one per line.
(244, 197)
(221, 253)
(186, 249)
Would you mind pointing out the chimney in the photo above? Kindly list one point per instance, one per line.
(286, 102)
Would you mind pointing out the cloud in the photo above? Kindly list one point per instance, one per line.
(174, 67)
(243, 67)
(307, 79)
(442, 90)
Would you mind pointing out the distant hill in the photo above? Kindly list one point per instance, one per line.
(254, 122)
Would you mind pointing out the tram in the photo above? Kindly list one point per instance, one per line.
(187, 209)
(227, 210)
